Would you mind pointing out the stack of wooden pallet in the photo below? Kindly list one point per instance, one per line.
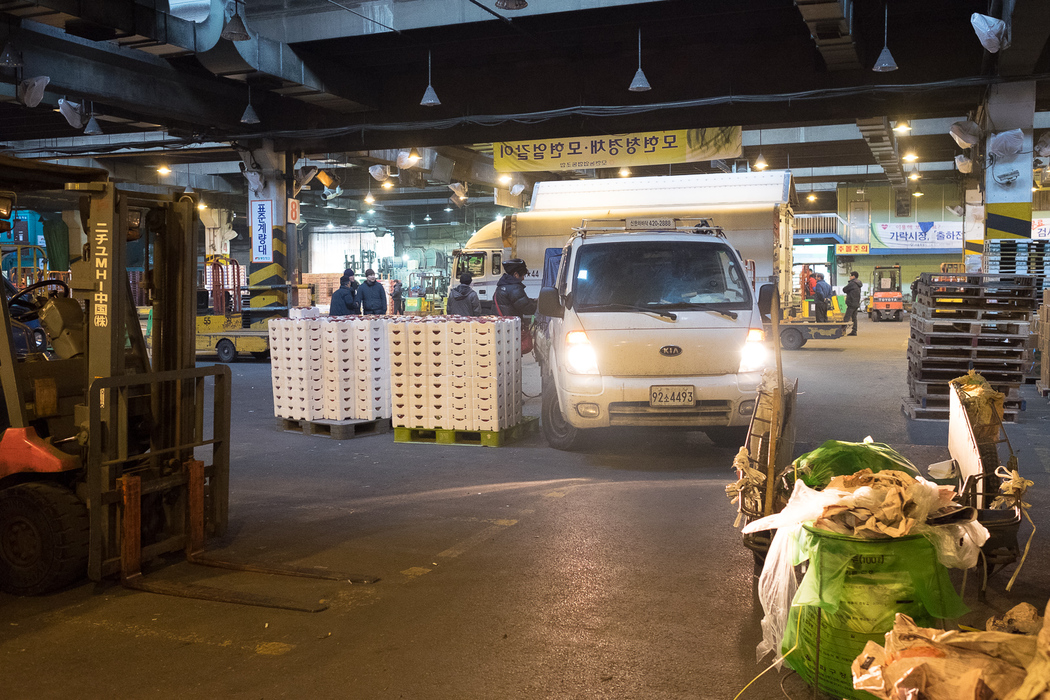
(1043, 346)
(1018, 257)
(969, 321)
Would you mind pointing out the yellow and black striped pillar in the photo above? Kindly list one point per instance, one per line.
(267, 282)
(1008, 220)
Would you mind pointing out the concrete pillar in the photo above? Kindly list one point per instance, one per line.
(267, 279)
(1008, 180)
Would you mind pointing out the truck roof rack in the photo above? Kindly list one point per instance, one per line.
(700, 225)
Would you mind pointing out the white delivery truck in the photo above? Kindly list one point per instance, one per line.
(751, 208)
(652, 322)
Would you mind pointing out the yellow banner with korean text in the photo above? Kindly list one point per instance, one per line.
(618, 150)
(852, 249)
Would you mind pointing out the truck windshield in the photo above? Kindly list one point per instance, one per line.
(474, 263)
(659, 275)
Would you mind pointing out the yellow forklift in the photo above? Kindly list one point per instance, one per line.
(220, 325)
(111, 456)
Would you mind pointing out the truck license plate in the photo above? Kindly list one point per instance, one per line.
(664, 396)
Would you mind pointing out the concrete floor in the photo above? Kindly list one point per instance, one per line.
(519, 572)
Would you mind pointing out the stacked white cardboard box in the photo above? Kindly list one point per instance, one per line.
(330, 368)
(455, 373)
(437, 372)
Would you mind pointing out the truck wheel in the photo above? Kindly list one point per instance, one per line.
(728, 435)
(791, 339)
(43, 538)
(558, 432)
(226, 350)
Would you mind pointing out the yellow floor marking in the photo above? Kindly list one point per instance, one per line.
(554, 494)
(273, 648)
(478, 538)
(140, 631)
(415, 571)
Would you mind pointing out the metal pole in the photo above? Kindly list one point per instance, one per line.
(774, 420)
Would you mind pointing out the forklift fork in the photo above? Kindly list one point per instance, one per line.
(131, 553)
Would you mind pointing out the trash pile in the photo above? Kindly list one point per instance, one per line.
(878, 539)
(1010, 661)
(983, 404)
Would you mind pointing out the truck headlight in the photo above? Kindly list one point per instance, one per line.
(754, 356)
(579, 354)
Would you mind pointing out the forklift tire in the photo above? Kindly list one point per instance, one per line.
(876, 316)
(898, 315)
(556, 430)
(226, 350)
(791, 339)
(43, 538)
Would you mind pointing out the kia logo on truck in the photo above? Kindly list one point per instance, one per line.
(670, 351)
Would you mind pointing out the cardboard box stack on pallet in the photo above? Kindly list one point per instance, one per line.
(969, 321)
(330, 368)
(325, 283)
(455, 373)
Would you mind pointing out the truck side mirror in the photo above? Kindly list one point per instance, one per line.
(765, 300)
(549, 303)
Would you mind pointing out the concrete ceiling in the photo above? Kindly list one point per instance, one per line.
(341, 79)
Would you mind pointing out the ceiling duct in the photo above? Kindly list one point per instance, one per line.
(131, 24)
(830, 25)
(883, 144)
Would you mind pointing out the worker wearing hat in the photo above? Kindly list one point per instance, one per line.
(510, 297)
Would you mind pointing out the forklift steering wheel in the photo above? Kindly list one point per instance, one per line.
(17, 298)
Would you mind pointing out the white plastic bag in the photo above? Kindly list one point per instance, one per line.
(990, 31)
(966, 133)
(958, 545)
(964, 165)
(1006, 143)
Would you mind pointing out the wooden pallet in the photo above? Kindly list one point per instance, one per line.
(336, 429)
(483, 438)
(974, 279)
(1043, 388)
(920, 389)
(915, 411)
(972, 313)
(924, 351)
(993, 328)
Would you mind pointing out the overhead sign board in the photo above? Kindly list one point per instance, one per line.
(618, 150)
(260, 214)
(293, 211)
(918, 236)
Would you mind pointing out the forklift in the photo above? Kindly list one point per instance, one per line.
(886, 302)
(110, 456)
(221, 322)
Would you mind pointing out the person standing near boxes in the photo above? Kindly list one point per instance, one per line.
(342, 303)
(371, 295)
(512, 300)
(464, 301)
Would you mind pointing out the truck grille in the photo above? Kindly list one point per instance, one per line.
(708, 412)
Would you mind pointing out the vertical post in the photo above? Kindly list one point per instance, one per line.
(131, 528)
(774, 418)
(1008, 178)
(268, 278)
(195, 506)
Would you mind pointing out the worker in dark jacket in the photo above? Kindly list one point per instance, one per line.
(343, 299)
(462, 300)
(371, 295)
(396, 298)
(510, 296)
(852, 292)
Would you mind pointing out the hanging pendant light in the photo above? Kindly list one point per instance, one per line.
(885, 62)
(639, 84)
(902, 126)
(92, 128)
(235, 29)
(760, 162)
(249, 116)
(10, 58)
(430, 98)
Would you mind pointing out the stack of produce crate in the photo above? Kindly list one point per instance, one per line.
(455, 373)
(330, 368)
(969, 321)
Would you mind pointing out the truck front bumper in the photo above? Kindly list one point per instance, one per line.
(593, 401)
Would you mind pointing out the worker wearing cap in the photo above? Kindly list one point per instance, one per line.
(510, 297)
(372, 295)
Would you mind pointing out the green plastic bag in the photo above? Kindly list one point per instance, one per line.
(837, 458)
(858, 586)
